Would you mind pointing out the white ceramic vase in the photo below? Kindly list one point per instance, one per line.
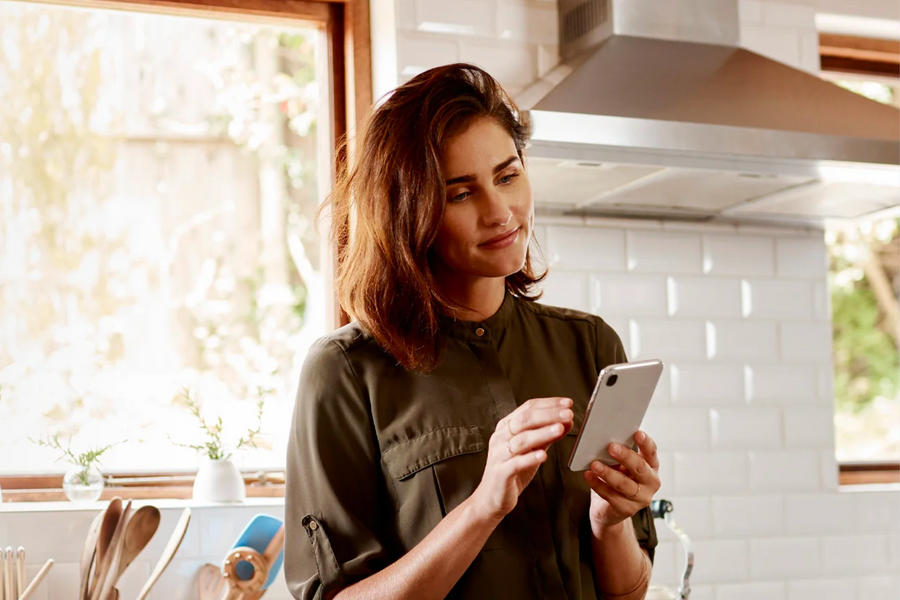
(219, 481)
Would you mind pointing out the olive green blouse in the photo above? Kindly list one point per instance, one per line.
(378, 454)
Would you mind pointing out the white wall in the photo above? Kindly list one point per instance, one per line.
(744, 412)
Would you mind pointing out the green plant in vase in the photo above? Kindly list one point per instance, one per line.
(83, 482)
(219, 480)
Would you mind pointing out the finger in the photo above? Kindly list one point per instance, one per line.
(648, 449)
(524, 462)
(540, 417)
(536, 438)
(632, 461)
(605, 491)
(623, 484)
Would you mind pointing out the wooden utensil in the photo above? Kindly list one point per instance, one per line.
(8, 574)
(210, 582)
(169, 552)
(273, 550)
(20, 570)
(37, 580)
(88, 552)
(239, 589)
(101, 575)
(108, 526)
(139, 530)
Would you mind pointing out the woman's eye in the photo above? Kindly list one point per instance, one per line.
(508, 178)
(460, 197)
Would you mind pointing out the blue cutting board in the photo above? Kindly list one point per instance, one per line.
(257, 535)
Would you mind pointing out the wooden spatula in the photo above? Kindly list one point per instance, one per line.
(139, 530)
(210, 582)
(168, 553)
(88, 552)
(102, 574)
(108, 525)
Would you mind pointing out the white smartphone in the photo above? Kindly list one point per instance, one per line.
(615, 412)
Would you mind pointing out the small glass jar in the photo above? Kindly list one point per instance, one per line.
(83, 484)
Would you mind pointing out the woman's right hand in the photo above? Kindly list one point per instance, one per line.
(516, 450)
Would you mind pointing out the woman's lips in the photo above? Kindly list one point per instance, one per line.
(502, 242)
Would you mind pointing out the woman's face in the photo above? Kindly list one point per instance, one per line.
(489, 215)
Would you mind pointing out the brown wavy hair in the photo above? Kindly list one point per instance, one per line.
(394, 196)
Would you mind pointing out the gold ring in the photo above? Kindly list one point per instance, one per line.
(510, 449)
(637, 492)
(509, 427)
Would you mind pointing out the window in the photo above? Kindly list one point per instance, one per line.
(865, 286)
(159, 177)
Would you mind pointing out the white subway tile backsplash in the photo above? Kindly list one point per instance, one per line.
(567, 289)
(459, 18)
(810, 58)
(778, 43)
(879, 587)
(666, 473)
(784, 471)
(855, 554)
(750, 11)
(821, 301)
(702, 473)
(829, 470)
(678, 429)
(704, 297)
(759, 515)
(668, 340)
(777, 299)
(770, 590)
(738, 255)
(628, 295)
(720, 560)
(809, 426)
(535, 24)
(784, 14)
(746, 428)
(693, 514)
(738, 341)
(801, 258)
(708, 385)
(512, 63)
(781, 384)
(806, 342)
(877, 512)
(664, 564)
(817, 513)
(817, 589)
(664, 252)
(582, 248)
(784, 558)
(418, 53)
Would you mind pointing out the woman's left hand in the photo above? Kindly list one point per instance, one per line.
(621, 491)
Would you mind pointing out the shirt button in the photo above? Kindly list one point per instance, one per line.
(313, 525)
(479, 332)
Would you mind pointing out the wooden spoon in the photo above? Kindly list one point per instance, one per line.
(108, 525)
(101, 575)
(210, 582)
(169, 552)
(140, 529)
(87, 555)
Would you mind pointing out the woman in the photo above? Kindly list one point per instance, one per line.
(430, 438)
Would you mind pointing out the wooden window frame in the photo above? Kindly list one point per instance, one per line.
(346, 25)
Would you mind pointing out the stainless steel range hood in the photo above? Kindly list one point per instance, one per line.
(656, 111)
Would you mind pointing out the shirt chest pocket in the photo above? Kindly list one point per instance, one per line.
(433, 473)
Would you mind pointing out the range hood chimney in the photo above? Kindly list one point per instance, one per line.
(664, 83)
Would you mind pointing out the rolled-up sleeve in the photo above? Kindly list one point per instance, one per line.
(332, 480)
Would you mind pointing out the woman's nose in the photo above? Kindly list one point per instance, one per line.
(496, 211)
